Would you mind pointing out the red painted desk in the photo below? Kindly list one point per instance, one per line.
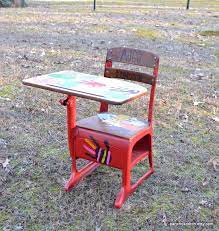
(82, 145)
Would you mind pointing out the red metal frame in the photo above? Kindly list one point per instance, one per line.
(76, 175)
(127, 152)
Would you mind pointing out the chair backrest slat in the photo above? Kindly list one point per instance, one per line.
(132, 56)
(129, 75)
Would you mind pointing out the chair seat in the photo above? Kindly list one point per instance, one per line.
(118, 125)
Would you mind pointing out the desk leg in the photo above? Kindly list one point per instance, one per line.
(76, 175)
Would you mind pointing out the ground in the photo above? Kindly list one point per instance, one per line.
(34, 157)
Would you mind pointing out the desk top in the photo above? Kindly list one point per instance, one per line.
(93, 87)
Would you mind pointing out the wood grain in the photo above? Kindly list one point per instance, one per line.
(129, 75)
(126, 131)
(132, 56)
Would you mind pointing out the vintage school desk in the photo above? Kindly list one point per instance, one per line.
(118, 141)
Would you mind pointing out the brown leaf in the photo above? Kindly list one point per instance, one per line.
(214, 161)
(216, 212)
(205, 181)
(4, 162)
(216, 119)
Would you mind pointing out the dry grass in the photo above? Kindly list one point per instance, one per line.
(46, 38)
(210, 33)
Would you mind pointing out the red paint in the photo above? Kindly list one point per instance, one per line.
(92, 83)
(103, 105)
(118, 152)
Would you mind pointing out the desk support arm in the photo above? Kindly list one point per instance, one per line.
(103, 107)
(76, 175)
(71, 121)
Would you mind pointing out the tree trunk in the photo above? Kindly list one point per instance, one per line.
(19, 3)
(15, 3)
(5, 3)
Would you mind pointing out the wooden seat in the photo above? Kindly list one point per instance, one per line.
(119, 125)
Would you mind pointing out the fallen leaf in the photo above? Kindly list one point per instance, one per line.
(6, 99)
(214, 161)
(216, 119)
(3, 143)
(184, 118)
(5, 163)
(203, 202)
(164, 220)
(196, 103)
(185, 189)
(206, 181)
(216, 212)
(43, 54)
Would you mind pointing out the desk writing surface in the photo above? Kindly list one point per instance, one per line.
(94, 87)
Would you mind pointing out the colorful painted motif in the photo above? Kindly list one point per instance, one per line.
(123, 121)
(106, 88)
(125, 90)
(92, 83)
(101, 155)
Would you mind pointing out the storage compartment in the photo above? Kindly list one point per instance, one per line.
(101, 148)
(140, 150)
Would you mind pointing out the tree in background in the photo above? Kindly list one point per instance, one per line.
(10, 3)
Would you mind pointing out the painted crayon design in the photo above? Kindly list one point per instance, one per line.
(93, 150)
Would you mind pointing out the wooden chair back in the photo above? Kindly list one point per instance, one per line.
(134, 57)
